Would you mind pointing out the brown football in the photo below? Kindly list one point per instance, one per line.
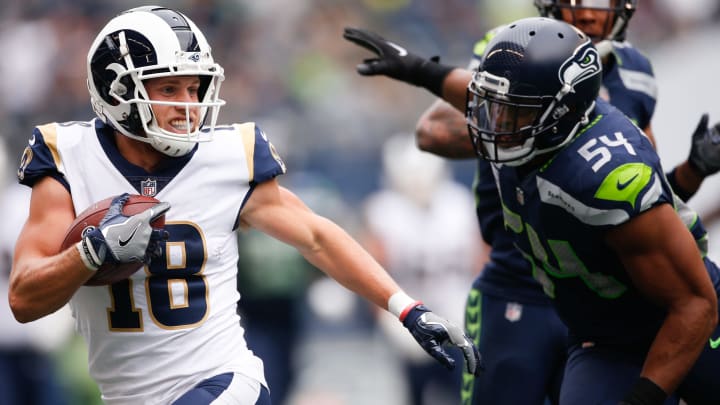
(110, 273)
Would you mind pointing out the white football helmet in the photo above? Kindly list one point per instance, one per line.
(144, 43)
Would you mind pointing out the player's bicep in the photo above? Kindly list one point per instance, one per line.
(661, 256)
(51, 213)
(279, 213)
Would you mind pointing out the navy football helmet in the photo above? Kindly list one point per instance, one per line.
(144, 43)
(534, 88)
(619, 13)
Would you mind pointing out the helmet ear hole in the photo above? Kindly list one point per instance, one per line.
(119, 88)
(134, 120)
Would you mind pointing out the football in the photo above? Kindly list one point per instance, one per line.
(109, 273)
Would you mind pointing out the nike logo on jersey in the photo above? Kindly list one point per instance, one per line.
(624, 184)
(401, 51)
(714, 343)
(126, 241)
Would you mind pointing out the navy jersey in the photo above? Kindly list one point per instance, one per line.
(629, 84)
(607, 175)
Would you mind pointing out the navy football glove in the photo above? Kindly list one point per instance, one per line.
(396, 62)
(705, 150)
(124, 239)
(432, 332)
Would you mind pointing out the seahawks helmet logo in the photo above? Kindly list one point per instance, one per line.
(584, 63)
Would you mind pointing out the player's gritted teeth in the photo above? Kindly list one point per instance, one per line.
(182, 125)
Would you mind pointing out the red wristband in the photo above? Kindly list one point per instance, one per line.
(407, 310)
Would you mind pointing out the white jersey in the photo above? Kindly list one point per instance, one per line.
(172, 324)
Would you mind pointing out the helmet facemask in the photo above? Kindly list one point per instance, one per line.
(502, 126)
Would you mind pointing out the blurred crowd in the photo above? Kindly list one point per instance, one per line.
(288, 69)
(286, 65)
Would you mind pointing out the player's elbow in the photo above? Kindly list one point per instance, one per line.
(20, 308)
(22, 305)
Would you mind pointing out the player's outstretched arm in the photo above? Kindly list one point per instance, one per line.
(279, 213)
(394, 61)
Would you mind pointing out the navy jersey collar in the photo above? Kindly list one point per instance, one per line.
(166, 171)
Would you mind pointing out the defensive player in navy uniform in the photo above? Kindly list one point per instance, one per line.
(170, 333)
(586, 200)
(506, 305)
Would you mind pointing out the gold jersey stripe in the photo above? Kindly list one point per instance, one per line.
(247, 131)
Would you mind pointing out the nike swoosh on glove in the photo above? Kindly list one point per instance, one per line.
(124, 239)
(393, 60)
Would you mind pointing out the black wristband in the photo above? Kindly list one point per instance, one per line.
(684, 195)
(645, 392)
(431, 76)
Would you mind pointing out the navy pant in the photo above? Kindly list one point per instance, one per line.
(209, 390)
(523, 348)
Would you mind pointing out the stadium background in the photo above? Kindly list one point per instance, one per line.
(288, 69)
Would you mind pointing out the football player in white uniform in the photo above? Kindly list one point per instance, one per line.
(170, 333)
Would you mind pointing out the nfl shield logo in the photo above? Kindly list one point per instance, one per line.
(520, 196)
(513, 311)
(149, 187)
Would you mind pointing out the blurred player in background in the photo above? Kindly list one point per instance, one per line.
(420, 227)
(513, 304)
(170, 333)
